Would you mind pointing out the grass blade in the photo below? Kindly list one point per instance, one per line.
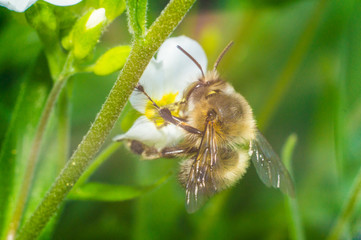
(295, 223)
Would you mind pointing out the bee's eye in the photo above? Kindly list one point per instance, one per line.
(211, 115)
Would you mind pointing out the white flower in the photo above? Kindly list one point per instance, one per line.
(164, 80)
(22, 5)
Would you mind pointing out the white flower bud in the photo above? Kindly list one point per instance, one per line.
(97, 17)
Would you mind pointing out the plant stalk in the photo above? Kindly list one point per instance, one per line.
(33, 158)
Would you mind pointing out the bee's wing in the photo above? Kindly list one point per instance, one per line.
(269, 166)
(201, 182)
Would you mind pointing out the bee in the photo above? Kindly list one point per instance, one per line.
(221, 138)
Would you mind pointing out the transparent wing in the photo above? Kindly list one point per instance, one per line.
(201, 183)
(269, 166)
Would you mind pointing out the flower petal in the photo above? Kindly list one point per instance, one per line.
(17, 5)
(171, 135)
(138, 100)
(179, 69)
(22, 5)
(142, 130)
(63, 2)
(145, 131)
(153, 82)
(153, 79)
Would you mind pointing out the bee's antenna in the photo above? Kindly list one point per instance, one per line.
(192, 58)
(222, 54)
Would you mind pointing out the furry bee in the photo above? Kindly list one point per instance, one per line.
(221, 137)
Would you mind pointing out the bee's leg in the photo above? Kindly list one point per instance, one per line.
(145, 151)
(166, 114)
(148, 152)
(177, 151)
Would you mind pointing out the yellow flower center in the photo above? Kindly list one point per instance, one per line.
(168, 100)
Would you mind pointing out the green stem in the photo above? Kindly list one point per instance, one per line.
(62, 147)
(63, 132)
(348, 210)
(142, 52)
(35, 150)
(284, 80)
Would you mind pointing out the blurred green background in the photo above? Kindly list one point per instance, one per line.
(299, 65)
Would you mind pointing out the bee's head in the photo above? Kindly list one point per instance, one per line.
(216, 100)
(212, 99)
(208, 83)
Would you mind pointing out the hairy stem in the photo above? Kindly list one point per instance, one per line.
(141, 54)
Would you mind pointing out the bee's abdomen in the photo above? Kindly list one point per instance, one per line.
(229, 168)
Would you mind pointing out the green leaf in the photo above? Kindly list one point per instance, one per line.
(112, 60)
(137, 13)
(111, 193)
(113, 8)
(18, 140)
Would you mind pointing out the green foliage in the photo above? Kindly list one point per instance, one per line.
(111, 193)
(106, 192)
(42, 18)
(16, 146)
(137, 17)
(113, 8)
(112, 60)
